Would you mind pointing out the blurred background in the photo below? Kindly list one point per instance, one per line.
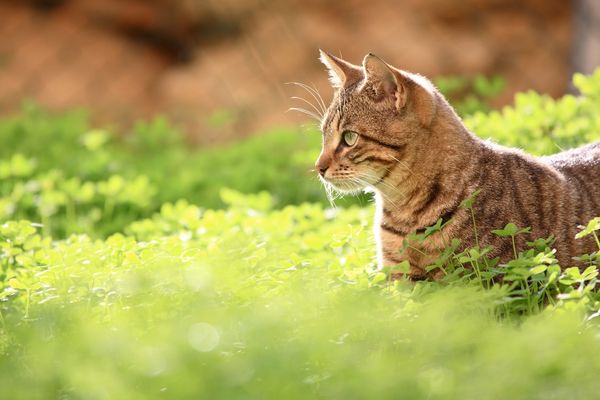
(218, 68)
(196, 255)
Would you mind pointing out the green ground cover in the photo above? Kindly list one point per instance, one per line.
(134, 267)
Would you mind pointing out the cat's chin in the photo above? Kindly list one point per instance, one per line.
(345, 187)
(347, 191)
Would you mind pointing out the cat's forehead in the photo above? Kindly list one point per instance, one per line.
(332, 117)
(341, 107)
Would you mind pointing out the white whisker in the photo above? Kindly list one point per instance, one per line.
(329, 192)
(306, 112)
(317, 111)
(315, 95)
(320, 100)
(370, 175)
(406, 167)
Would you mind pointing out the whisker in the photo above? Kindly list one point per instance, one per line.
(316, 95)
(329, 192)
(405, 165)
(387, 198)
(309, 126)
(393, 196)
(316, 91)
(309, 103)
(312, 92)
(392, 189)
(307, 112)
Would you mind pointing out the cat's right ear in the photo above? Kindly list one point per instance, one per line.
(341, 73)
(400, 88)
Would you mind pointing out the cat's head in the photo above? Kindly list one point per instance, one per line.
(377, 115)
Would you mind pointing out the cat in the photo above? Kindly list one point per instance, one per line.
(393, 132)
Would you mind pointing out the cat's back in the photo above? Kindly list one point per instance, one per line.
(580, 161)
(552, 194)
(580, 168)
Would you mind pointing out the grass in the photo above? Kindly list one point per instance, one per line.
(243, 303)
(111, 287)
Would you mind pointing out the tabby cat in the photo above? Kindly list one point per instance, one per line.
(392, 132)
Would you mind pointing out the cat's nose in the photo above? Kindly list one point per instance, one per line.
(322, 165)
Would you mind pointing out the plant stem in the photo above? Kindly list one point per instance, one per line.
(528, 288)
(596, 239)
(474, 226)
(477, 237)
(418, 250)
(475, 266)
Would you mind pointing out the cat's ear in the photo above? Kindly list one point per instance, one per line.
(383, 83)
(400, 88)
(341, 73)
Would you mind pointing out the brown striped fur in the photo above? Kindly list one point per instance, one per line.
(415, 153)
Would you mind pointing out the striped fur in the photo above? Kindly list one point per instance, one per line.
(417, 156)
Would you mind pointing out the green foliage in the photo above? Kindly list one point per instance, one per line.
(273, 304)
(135, 267)
(470, 94)
(592, 227)
(57, 171)
(542, 125)
(532, 280)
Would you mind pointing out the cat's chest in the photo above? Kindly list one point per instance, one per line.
(395, 243)
(389, 236)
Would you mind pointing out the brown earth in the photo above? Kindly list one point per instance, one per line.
(228, 61)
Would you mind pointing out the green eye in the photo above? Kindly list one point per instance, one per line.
(350, 137)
